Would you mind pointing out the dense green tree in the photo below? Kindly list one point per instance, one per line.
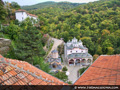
(105, 45)
(110, 50)
(40, 63)
(3, 12)
(62, 76)
(88, 42)
(15, 5)
(64, 68)
(117, 50)
(97, 20)
(28, 44)
(12, 30)
(99, 50)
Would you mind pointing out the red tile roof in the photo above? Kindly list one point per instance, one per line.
(104, 71)
(15, 72)
(32, 15)
(21, 10)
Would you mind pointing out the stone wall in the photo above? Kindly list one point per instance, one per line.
(4, 45)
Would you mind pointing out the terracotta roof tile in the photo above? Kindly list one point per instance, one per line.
(30, 77)
(104, 71)
(21, 83)
(35, 81)
(15, 72)
(21, 10)
(1, 56)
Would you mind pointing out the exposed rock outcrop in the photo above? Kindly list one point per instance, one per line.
(4, 45)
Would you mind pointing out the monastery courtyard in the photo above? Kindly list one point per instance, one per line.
(73, 71)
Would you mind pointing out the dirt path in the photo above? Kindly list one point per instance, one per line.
(57, 42)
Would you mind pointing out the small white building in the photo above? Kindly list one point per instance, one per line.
(22, 15)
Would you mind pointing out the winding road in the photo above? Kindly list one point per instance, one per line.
(57, 42)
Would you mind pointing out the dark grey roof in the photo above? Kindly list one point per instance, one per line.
(80, 41)
(80, 46)
(74, 38)
(69, 41)
(54, 59)
(54, 51)
(79, 55)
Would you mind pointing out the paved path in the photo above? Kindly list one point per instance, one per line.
(73, 71)
(57, 42)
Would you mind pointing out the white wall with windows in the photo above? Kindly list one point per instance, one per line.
(20, 16)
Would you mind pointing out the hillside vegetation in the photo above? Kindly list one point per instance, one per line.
(97, 24)
(64, 5)
(26, 39)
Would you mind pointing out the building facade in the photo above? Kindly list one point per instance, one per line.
(76, 54)
(55, 61)
(22, 15)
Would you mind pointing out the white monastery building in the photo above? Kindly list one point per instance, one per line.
(22, 15)
(76, 54)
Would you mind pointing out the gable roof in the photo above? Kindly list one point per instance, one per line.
(21, 10)
(15, 72)
(79, 55)
(104, 71)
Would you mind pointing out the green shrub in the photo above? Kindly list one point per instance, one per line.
(64, 68)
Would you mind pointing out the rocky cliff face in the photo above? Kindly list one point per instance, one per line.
(4, 45)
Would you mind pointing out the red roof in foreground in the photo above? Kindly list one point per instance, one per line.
(104, 71)
(15, 72)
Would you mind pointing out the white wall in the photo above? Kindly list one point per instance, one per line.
(25, 15)
(20, 16)
(78, 51)
(34, 18)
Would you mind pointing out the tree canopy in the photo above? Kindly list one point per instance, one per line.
(97, 24)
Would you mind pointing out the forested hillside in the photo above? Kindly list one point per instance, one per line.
(64, 5)
(26, 39)
(97, 24)
(36, 6)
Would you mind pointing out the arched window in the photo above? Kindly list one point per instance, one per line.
(71, 61)
(83, 61)
(77, 62)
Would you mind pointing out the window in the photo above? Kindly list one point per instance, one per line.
(22, 13)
